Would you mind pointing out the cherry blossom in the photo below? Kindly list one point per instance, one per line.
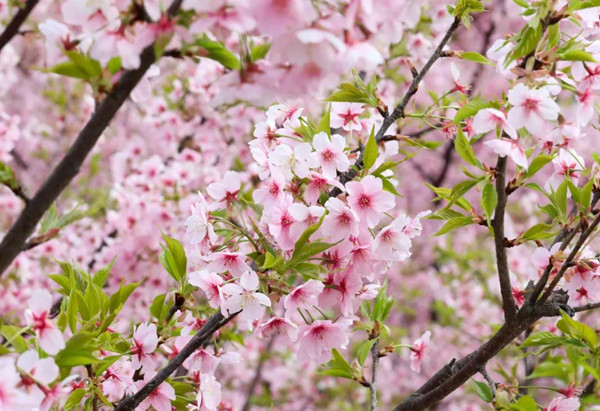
(567, 164)
(209, 395)
(160, 398)
(340, 221)
(243, 297)
(233, 262)
(318, 339)
(292, 161)
(225, 193)
(345, 116)
(490, 119)
(277, 325)
(303, 296)
(210, 283)
(508, 147)
(531, 108)
(368, 199)
(418, 351)
(329, 154)
(50, 338)
(391, 243)
(145, 341)
(563, 404)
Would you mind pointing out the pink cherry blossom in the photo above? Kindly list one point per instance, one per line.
(160, 398)
(198, 225)
(50, 338)
(346, 116)
(340, 221)
(418, 351)
(223, 261)
(118, 380)
(567, 164)
(145, 341)
(304, 216)
(564, 404)
(368, 199)
(292, 161)
(303, 296)
(209, 394)
(225, 193)
(318, 184)
(391, 243)
(531, 108)
(277, 325)
(329, 154)
(318, 339)
(490, 119)
(271, 193)
(58, 37)
(243, 297)
(201, 360)
(508, 147)
(210, 283)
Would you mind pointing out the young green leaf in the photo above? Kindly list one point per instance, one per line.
(371, 151)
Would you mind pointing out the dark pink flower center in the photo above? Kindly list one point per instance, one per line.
(530, 105)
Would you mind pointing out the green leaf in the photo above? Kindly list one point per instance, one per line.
(7, 176)
(577, 55)
(561, 197)
(101, 275)
(173, 258)
(464, 149)
(74, 399)
(469, 109)
(338, 361)
(50, 219)
(218, 52)
(345, 96)
(75, 357)
(387, 185)
(371, 151)
(538, 232)
(363, 351)
(579, 329)
(476, 57)
(543, 338)
(87, 64)
(304, 237)
(525, 403)
(68, 69)
(453, 224)
(158, 308)
(489, 200)
(325, 123)
(528, 41)
(114, 65)
(484, 391)
(538, 163)
(260, 51)
(13, 335)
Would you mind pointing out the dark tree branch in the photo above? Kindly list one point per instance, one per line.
(398, 112)
(508, 302)
(68, 168)
(215, 322)
(13, 27)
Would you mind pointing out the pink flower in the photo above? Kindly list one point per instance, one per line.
(292, 161)
(198, 225)
(11, 397)
(160, 398)
(330, 154)
(284, 114)
(35, 371)
(303, 296)
(270, 193)
(58, 36)
(512, 148)
(280, 225)
(391, 243)
(346, 116)
(145, 341)
(368, 200)
(209, 394)
(318, 184)
(243, 297)
(36, 315)
(564, 404)
(418, 351)
(277, 325)
(318, 339)
(227, 261)
(118, 380)
(305, 217)
(209, 283)
(490, 119)
(340, 222)
(225, 193)
(531, 108)
(201, 360)
(567, 164)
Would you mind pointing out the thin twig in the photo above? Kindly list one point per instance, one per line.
(13, 27)
(398, 112)
(215, 322)
(508, 302)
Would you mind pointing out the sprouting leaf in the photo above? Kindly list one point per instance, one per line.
(476, 57)
(489, 200)
(371, 151)
(464, 149)
(218, 52)
(484, 391)
(173, 258)
(470, 109)
(454, 223)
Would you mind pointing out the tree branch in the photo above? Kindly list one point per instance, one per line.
(13, 27)
(215, 322)
(399, 110)
(373, 384)
(508, 302)
(69, 166)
